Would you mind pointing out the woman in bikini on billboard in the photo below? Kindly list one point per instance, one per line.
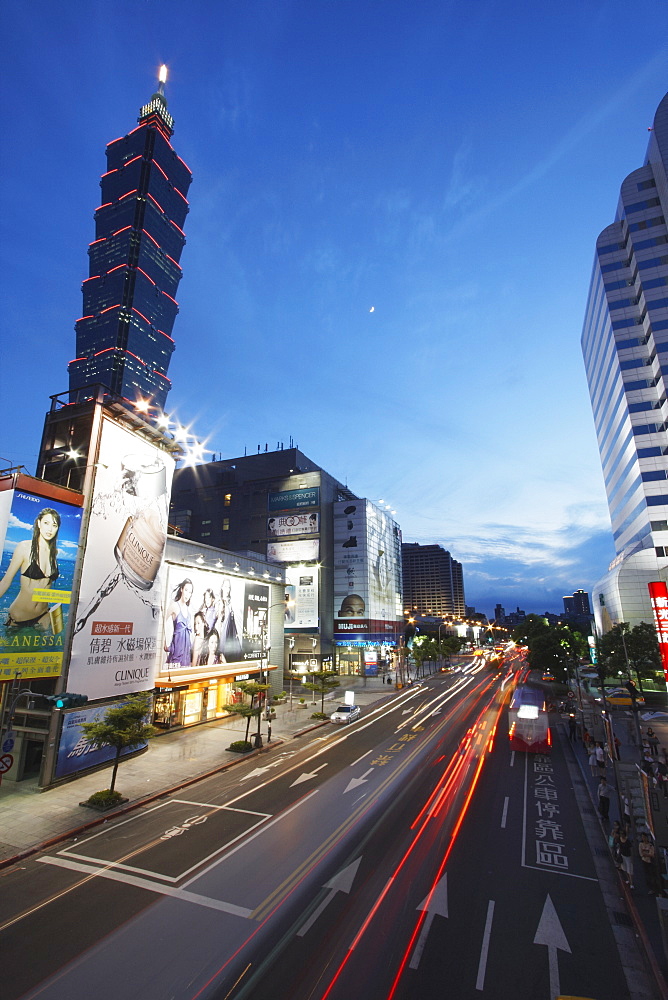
(37, 559)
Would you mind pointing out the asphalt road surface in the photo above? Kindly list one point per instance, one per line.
(411, 854)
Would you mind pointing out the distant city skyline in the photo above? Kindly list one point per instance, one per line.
(389, 247)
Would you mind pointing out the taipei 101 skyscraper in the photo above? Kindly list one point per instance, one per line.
(124, 336)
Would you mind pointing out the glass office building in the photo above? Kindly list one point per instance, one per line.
(124, 337)
(625, 348)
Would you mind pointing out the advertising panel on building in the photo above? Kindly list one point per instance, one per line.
(39, 534)
(294, 499)
(212, 619)
(215, 633)
(75, 752)
(117, 621)
(367, 576)
(301, 550)
(293, 524)
(301, 593)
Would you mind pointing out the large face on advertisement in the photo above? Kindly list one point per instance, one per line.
(211, 619)
(117, 621)
(351, 581)
(41, 542)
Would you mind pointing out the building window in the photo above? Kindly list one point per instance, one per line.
(659, 525)
(226, 524)
(227, 500)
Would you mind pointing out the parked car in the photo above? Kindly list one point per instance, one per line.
(345, 714)
(548, 677)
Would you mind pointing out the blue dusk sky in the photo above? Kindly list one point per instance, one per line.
(392, 226)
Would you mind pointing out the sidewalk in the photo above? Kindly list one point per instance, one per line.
(623, 776)
(29, 819)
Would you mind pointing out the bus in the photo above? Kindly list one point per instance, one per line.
(528, 727)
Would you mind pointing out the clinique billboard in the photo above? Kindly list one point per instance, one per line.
(117, 630)
(211, 619)
(40, 542)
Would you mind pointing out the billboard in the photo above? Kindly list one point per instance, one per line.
(117, 621)
(75, 753)
(303, 550)
(293, 524)
(294, 499)
(301, 588)
(211, 619)
(40, 543)
(367, 569)
(658, 595)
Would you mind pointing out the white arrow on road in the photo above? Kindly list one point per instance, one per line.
(551, 933)
(305, 776)
(436, 904)
(407, 711)
(354, 782)
(342, 882)
(258, 771)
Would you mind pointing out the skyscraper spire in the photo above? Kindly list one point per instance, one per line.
(124, 337)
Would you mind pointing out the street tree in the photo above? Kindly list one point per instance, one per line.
(249, 709)
(322, 682)
(623, 649)
(552, 648)
(122, 727)
(424, 648)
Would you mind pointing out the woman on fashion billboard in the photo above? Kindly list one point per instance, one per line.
(37, 560)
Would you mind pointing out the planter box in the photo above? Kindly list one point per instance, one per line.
(103, 806)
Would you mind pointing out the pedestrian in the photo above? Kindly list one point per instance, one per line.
(626, 812)
(600, 757)
(662, 777)
(618, 744)
(625, 848)
(613, 843)
(653, 741)
(648, 857)
(604, 790)
(647, 766)
(593, 764)
(572, 730)
(586, 739)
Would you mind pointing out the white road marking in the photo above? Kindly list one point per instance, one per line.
(354, 782)
(435, 903)
(150, 873)
(163, 890)
(342, 882)
(512, 758)
(307, 776)
(505, 813)
(247, 840)
(372, 750)
(551, 933)
(482, 965)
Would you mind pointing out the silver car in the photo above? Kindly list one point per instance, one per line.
(345, 713)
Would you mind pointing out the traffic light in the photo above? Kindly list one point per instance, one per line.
(66, 700)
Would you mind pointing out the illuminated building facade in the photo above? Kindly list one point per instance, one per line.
(124, 337)
(625, 348)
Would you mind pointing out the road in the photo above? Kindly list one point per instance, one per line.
(410, 854)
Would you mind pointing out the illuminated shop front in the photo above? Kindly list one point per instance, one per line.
(194, 699)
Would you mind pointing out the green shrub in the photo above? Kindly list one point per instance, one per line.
(319, 715)
(240, 746)
(105, 798)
